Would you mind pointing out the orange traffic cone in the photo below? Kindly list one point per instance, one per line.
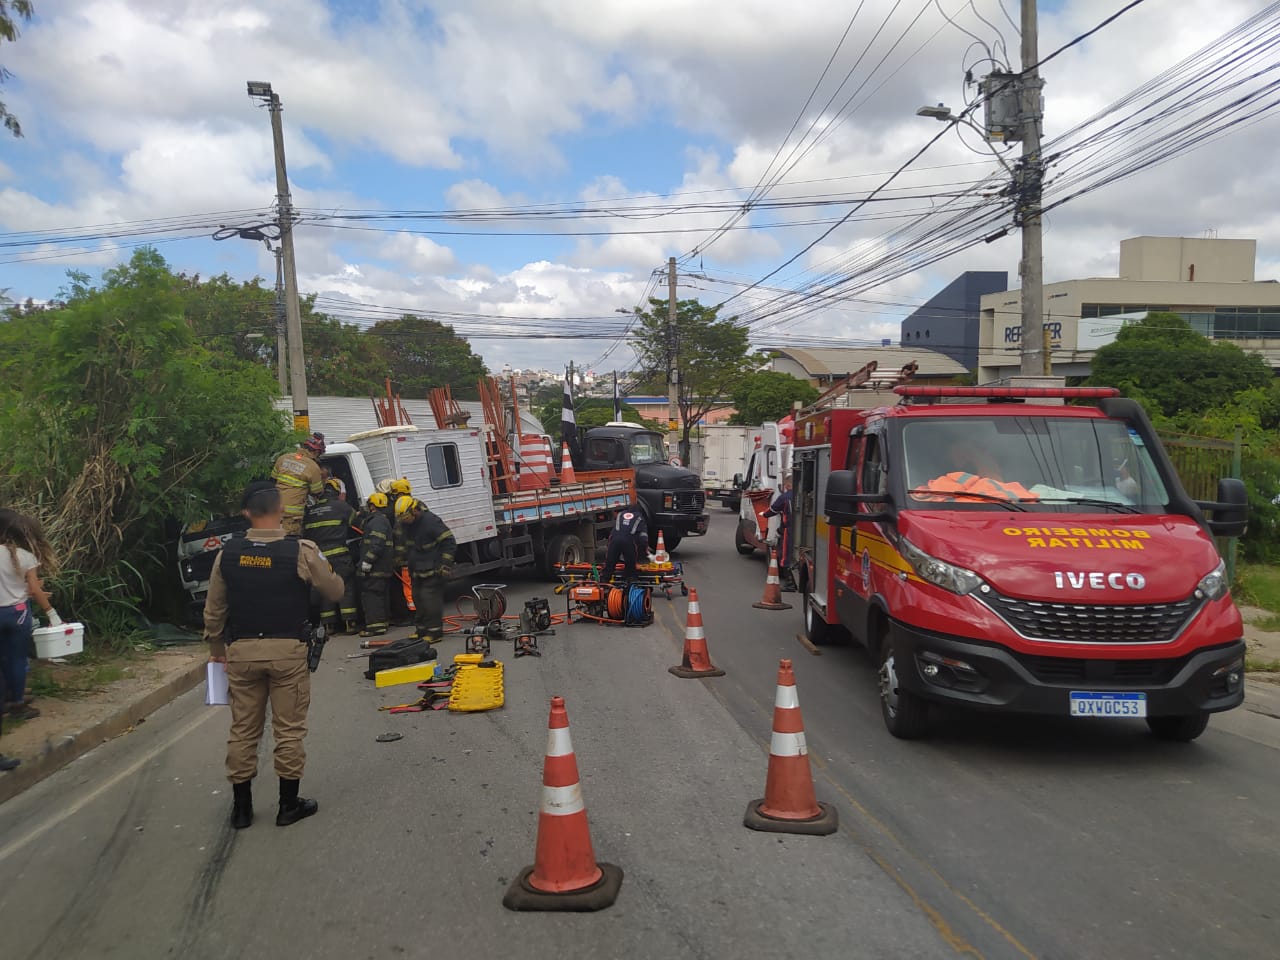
(566, 465)
(564, 875)
(660, 554)
(772, 599)
(696, 662)
(789, 805)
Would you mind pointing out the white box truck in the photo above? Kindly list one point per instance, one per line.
(725, 452)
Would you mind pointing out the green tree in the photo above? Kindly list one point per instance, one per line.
(712, 357)
(768, 395)
(116, 423)
(425, 353)
(11, 11)
(342, 359)
(1173, 369)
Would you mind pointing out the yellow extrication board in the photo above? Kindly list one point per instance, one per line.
(477, 686)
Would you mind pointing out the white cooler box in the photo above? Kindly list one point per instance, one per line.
(59, 641)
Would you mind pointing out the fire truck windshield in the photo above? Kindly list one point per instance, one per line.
(1049, 463)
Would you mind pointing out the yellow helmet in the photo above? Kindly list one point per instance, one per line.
(405, 504)
(378, 500)
(333, 483)
(401, 487)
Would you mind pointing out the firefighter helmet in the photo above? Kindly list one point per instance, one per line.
(314, 443)
(405, 504)
(378, 500)
(401, 487)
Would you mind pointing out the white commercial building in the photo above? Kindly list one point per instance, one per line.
(1209, 282)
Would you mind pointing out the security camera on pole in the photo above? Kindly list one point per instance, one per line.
(261, 90)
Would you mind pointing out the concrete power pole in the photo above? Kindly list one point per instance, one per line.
(673, 371)
(1035, 361)
(282, 348)
(260, 90)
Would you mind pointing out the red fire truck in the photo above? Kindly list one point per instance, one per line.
(1028, 549)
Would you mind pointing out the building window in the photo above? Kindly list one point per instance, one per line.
(443, 466)
(1091, 311)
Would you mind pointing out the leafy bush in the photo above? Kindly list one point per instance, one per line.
(115, 425)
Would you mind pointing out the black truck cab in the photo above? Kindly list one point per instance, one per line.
(671, 496)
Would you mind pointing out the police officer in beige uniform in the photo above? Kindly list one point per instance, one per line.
(256, 621)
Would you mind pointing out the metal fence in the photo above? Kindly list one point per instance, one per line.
(1201, 462)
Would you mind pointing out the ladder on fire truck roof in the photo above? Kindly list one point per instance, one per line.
(865, 379)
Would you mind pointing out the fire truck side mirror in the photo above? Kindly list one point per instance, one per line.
(842, 501)
(1230, 510)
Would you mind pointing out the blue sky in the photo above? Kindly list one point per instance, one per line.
(136, 110)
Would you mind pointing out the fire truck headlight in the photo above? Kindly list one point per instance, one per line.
(939, 572)
(1214, 585)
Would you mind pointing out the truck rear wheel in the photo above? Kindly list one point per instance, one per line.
(563, 548)
(1182, 729)
(740, 541)
(906, 715)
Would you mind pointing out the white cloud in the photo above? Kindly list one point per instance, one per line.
(140, 108)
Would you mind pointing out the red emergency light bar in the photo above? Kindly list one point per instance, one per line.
(1065, 393)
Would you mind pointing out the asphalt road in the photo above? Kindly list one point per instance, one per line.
(998, 838)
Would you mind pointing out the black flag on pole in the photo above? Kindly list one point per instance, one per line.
(617, 402)
(569, 422)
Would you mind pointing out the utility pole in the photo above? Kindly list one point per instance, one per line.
(260, 90)
(673, 371)
(282, 362)
(1029, 182)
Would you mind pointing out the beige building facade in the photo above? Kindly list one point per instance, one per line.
(1210, 282)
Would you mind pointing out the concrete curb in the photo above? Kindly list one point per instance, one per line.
(70, 747)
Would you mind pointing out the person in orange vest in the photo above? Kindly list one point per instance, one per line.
(297, 477)
(979, 473)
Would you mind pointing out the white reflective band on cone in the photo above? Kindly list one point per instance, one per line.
(694, 633)
(562, 801)
(786, 698)
(787, 745)
(558, 742)
(693, 608)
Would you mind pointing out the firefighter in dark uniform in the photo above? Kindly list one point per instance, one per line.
(401, 593)
(377, 563)
(256, 622)
(430, 548)
(629, 536)
(328, 523)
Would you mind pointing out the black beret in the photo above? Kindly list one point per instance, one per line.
(253, 489)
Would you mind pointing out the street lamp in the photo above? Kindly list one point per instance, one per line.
(942, 113)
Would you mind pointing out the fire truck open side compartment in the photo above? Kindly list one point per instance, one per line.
(1018, 549)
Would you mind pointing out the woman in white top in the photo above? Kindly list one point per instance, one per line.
(23, 551)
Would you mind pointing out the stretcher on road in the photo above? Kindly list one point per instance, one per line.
(660, 576)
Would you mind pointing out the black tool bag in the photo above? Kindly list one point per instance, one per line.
(399, 653)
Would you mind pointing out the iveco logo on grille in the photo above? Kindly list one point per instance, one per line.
(1096, 580)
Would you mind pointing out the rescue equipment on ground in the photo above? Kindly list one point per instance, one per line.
(414, 673)
(620, 605)
(477, 686)
(399, 653)
(697, 660)
(772, 599)
(565, 874)
(490, 606)
(659, 576)
(789, 804)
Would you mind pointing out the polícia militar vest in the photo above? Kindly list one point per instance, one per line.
(265, 595)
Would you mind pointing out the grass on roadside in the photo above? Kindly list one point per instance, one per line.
(1258, 665)
(81, 675)
(1258, 585)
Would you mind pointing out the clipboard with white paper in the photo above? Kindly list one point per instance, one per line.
(215, 688)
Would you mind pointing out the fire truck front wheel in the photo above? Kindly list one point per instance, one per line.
(905, 715)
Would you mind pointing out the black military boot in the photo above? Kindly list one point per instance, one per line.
(242, 804)
(293, 807)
